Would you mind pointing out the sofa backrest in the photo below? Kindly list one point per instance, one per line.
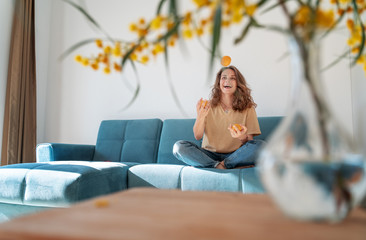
(172, 131)
(128, 140)
(267, 125)
(182, 129)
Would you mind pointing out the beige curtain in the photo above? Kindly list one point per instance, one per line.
(19, 133)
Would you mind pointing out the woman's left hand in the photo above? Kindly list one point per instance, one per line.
(238, 132)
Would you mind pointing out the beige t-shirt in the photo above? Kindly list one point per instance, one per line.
(217, 137)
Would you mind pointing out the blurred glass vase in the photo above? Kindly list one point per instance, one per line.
(309, 166)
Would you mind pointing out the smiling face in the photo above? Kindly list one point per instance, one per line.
(228, 82)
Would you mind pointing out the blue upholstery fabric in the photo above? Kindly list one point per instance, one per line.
(9, 211)
(211, 179)
(267, 126)
(49, 152)
(174, 130)
(165, 176)
(250, 181)
(60, 183)
(128, 140)
(13, 181)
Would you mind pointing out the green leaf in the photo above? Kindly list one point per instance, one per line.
(362, 44)
(90, 18)
(337, 60)
(161, 3)
(215, 36)
(127, 56)
(277, 4)
(137, 90)
(170, 82)
(169, 33)
(244, 32)
(74, 47)
(173, 8)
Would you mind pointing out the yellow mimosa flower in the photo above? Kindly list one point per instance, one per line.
(139, 48)
(350, 24)
(302, 16)
(171, 42)
(133, 56)
(95, 66)
(250, 9)
(361, 60)
(237, 17)
(117, 67)
(85, 62)
(105, 59)
(142, 21)
(355, 50)
(187, 33)
(225, 23)
(158, 48)
(142, 32)
(107, 70)
(78, 58)
(133, 27)
(325, 18)
(156, 23)
(117, 50)
(99, 43)
(144, 59)
(187, 18)
(107, 50)
(201, 3)
(144, 44)
(199, 31)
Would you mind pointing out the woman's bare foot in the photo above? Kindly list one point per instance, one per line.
(221, 165)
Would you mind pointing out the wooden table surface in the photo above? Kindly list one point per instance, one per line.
(145, 213)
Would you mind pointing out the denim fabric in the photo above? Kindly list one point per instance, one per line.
(196, 156)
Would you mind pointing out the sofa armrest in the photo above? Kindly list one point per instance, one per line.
(48, 152)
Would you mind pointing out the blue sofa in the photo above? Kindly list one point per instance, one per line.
(127, 154)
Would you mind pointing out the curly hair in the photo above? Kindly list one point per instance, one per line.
(242, 95)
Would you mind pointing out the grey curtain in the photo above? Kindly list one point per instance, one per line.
(19, 133)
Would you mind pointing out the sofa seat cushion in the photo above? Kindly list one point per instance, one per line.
(165, 176)
(229, 180)
(61, 183)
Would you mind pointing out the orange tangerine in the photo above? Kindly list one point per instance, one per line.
(225, 61)
(238, 126)
(101, 203)
(203, 103)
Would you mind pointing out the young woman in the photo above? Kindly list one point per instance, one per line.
(227, 123)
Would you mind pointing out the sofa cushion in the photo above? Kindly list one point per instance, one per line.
(230, 180)
(128, 140)
(163, 176)
(60, 183)
(172, 131)
(210, 179)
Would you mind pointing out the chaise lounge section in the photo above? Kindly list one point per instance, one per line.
(127, 154)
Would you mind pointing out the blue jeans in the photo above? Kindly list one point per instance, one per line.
(196, 156)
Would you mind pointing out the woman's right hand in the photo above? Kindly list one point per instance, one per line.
(202, 107)
(199, 124)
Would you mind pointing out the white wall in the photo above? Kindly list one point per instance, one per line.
(6, 19)
(359, 106)
(76, 99)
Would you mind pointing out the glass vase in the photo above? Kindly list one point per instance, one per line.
(308, 166)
